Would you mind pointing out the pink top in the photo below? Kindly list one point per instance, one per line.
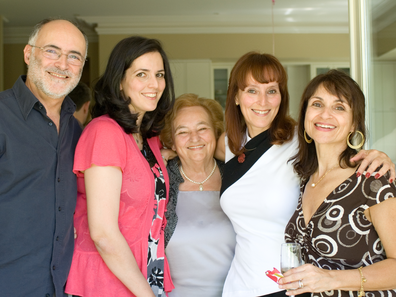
(104, 143)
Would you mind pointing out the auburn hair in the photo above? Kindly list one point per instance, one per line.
(263, 68)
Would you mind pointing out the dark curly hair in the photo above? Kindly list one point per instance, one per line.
(110, 100)
(341, 85)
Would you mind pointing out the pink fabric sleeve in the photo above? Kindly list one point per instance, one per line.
(103, 144)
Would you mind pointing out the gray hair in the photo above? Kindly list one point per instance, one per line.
(36, 30)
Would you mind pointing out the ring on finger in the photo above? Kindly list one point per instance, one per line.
(300, 284)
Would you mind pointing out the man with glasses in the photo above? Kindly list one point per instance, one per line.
(38, 135)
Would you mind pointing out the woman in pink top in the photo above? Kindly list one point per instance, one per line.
(122, 181)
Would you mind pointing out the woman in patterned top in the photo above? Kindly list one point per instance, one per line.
(344, 221)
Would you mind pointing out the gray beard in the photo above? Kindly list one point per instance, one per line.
(44, 86)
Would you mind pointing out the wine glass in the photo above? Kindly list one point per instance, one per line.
(291, 256)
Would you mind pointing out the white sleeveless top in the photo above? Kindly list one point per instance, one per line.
(202, 247)
(259, 206)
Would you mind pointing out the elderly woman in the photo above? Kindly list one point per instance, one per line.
(344, 221)
(122, 180)
(259, 187)
(199, 237)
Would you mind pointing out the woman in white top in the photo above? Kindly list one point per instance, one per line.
(260, 190)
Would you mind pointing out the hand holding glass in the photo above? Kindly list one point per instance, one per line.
(291, 256)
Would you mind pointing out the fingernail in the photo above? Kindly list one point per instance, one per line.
(368, 175)
(358, 174)
(377, 176)
(391, 181)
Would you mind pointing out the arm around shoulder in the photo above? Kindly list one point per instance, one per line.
(220, 148)
(371, 160)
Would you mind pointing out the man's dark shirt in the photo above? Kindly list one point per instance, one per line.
(37, 194)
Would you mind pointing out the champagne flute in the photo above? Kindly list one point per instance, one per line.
(291, 256)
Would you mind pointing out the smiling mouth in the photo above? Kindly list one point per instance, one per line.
(58, 75)
(325, 126)
(195, 147)
(261, 112)
(150, 95)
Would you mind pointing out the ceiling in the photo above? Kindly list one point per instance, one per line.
(18, 13)
(189, 16)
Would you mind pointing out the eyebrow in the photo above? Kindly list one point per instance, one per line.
(144, 69)
(316, 97)
(271, 84)
(70, 52)
(199, 123)
(338, 100)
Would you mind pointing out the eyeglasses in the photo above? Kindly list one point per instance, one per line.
(53, 53)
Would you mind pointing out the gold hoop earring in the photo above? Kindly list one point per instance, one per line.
(355, 147)
(306, 138)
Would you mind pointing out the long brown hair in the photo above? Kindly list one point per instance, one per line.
(264, 68)
(110, 100)
(339, 84)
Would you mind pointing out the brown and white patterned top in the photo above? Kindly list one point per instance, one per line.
(339, 236)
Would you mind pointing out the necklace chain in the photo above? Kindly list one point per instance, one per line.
(202, 182)
(313, 185)
(137, 137)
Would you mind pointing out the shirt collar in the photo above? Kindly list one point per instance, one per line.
(26, 100)
(68, 105)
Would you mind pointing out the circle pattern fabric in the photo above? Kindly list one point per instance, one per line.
(339, 236)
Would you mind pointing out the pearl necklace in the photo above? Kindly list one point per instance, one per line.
(202, 182)
(313, 185)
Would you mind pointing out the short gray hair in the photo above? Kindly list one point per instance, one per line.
(36, 30)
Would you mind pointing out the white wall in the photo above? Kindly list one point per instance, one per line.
(299, 77)
(382, 108)
(193, 76)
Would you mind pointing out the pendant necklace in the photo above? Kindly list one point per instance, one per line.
(313, 185)
(137, 137)
(202, 182)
